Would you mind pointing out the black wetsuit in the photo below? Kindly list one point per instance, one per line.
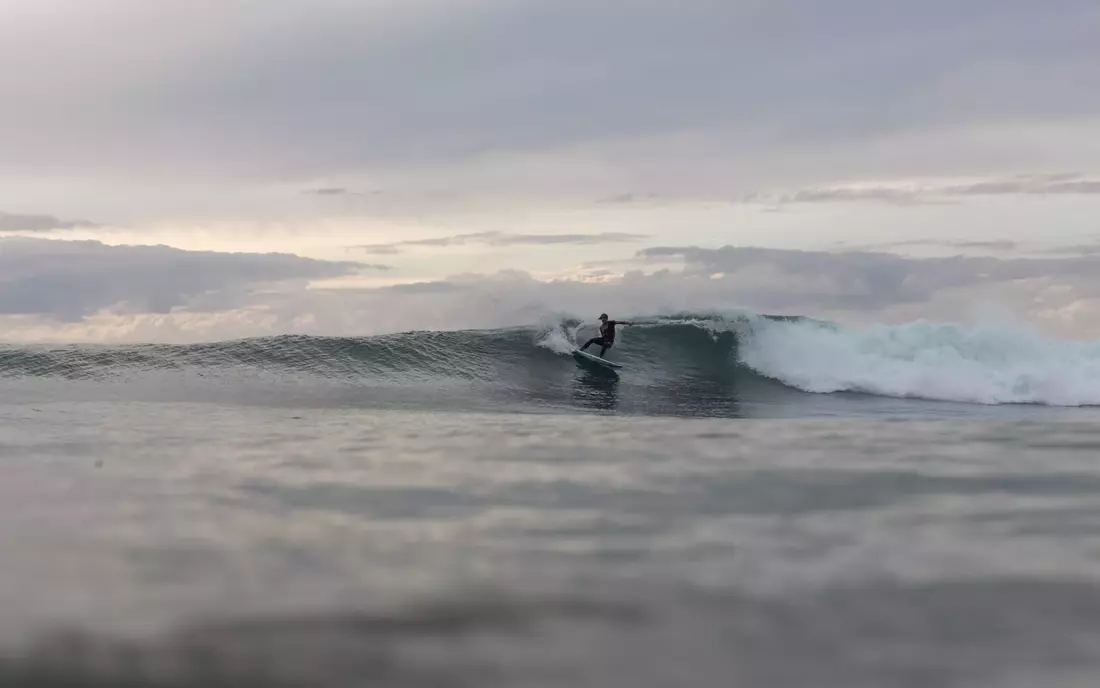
(606, 339)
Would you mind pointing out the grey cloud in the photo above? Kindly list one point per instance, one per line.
(1025, 186)
(627, 198)
(374, 84)
(846, 286)
(869, 281)
(829, 195)
(1077, 250)
(999, 245)
(505, 239)
(1062, 294)
(1032, 184)
(375, 249)
(38, 223)
(996, 245)
(990, 245)
(339, 191)
(68, 280)
(852, 283)
(429, 287)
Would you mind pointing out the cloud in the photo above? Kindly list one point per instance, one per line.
(1079, 250)
(340, 192)
(505, 239)
(385, 88)
(991, 245)
(329, 191)
(867, 281)
(1058, 295)
(999, 245)
(38, 223)
(627, 198)
(68, 280)
(480, 103)
(1028, 184)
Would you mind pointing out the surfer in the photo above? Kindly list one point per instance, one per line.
(606, 339)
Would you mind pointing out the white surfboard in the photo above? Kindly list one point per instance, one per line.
(595, 359)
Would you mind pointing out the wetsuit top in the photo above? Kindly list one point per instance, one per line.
(607, 330)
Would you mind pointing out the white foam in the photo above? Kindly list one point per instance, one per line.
(559, 338)
(987, 365)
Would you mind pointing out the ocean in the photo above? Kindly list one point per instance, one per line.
(751, 501)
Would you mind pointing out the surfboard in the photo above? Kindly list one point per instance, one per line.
(577, 353)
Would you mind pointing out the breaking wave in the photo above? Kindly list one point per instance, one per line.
(984, 365)
(688, 356)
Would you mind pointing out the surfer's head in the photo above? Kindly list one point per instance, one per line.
(603, 316)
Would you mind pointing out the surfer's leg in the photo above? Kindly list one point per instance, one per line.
(590, 342)
(606, 346)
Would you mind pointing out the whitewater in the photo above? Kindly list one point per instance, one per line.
(924, 360)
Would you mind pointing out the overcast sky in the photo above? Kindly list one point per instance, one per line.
(454, 163)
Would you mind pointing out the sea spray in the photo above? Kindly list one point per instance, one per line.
(560, 337)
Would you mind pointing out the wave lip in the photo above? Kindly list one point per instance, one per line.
(924, 360)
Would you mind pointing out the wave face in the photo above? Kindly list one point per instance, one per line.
(681, 364)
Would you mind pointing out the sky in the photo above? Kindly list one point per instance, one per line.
(194, 170)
